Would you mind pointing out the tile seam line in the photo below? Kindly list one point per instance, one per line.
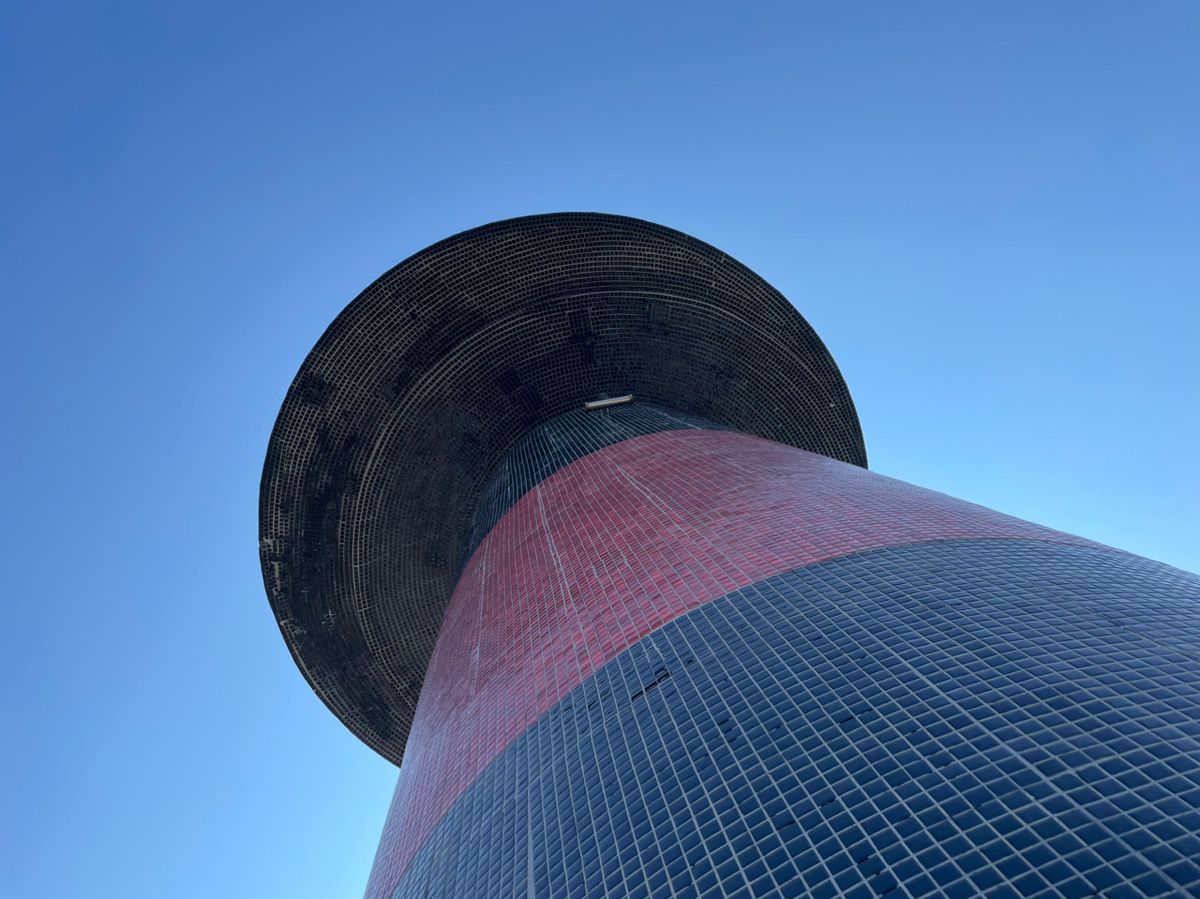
(1074, 544)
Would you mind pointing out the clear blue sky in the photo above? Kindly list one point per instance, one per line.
(990, 212)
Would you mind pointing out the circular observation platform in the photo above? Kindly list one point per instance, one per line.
(398, 415)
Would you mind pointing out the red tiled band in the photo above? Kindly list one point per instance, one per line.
(609, 548)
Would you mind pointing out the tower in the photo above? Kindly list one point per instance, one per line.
(569, 516)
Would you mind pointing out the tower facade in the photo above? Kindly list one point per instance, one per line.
(681, 642)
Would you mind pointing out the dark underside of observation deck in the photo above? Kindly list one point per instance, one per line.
(415, 392)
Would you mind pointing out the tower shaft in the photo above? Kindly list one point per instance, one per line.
(681, 660)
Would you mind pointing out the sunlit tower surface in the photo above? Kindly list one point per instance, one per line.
(569, 517)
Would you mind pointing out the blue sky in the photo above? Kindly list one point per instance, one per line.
(990, 212)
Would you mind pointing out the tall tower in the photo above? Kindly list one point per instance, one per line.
(569, 517)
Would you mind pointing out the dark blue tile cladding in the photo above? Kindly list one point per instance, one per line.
(559, 442)
(1001, 718)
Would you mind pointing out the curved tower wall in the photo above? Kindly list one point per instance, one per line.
(681, 660)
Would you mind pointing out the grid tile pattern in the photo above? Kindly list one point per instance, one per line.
(986, 717)
(612, 546)
(422, 383)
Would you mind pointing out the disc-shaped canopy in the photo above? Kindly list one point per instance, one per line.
(413, 394)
